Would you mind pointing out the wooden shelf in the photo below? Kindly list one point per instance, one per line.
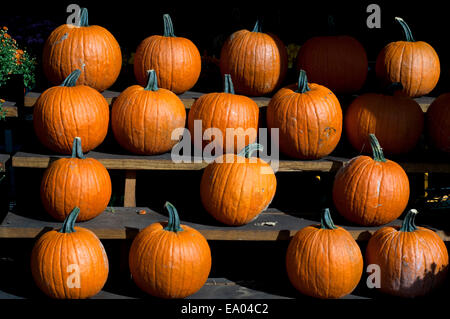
(125, 223)
(188, 99)
(164, 162)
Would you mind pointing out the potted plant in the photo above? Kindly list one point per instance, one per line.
(17, 69)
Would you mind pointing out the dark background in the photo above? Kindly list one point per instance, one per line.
(209, 23)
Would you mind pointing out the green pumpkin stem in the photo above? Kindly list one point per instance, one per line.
(77, 151)
(174, 220)
(376, 149)
(302, 85)
(72, 78)
(69, 222)
(168, 26)
(228, 86)
(408, 224)
(84, 21)
(394, 87)
(408, 34)
(258, 26)
(250, 149)
(325, 220)
(152, 82)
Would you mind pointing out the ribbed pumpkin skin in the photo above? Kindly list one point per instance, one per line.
(411, 263)
(310, 123)
(371, 193)
(414, 64)
(166, 264)
(54, 252)
(143, 120)
(235, 191)
(438, 122)
(397, 121)
(63, 113)
(336, 62)
(73, 182)
(176, 60)
(92, 49)
(256, 61)
(222, 111)
(324, 263)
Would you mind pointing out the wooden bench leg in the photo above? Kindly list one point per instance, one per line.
(129, 199)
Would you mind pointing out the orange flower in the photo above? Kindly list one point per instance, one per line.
(7, 35)
(5, 28)
(20, 52)
(2, 101)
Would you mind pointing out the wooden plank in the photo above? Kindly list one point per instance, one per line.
(188, 99)
(125, 223)
(130, 189)
(164, 162)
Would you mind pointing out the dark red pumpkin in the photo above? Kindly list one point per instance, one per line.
(438, 122)
(395, 119)
(336, 62)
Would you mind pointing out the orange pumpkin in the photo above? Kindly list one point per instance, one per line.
(224, 111)
(76, 181)
(256, 61)
(234, 189)
(396, 120)
(64, 112)
(176, 60)
(309, 118)
(336, 62)
(438, 122)
(371, 192)
(324, 261)
(143, 118)
(70, 263)
(169, 260)
(413, 260)
(90, 48)
(413, 63)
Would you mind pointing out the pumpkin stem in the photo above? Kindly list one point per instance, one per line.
(325, 220)
(302, 83)
(152, 82)
(250, 149)
(408, 34)
(376, 149)
(394, 87)
(168, 26)
(77, 151)
(408, 224)
(228, 84)
(69, 222)
(331, 25)
(84, 21)
(258, 25)
(71, 79)
(174, 220)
